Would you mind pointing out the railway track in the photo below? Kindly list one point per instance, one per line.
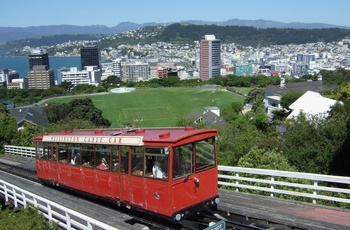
(200, 221)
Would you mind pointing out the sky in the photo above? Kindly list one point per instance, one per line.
(23, 13)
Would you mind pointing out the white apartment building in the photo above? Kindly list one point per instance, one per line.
(135, 70)
(107, 70)
(117, 68)
(90, 75)
(21, 83)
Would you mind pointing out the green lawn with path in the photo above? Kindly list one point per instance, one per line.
(156, 107)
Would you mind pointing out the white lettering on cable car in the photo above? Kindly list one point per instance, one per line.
(94, 140)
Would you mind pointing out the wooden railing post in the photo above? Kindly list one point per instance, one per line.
(315, 192)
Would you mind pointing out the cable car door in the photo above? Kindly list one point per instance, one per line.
(52, 161)
(125, 175)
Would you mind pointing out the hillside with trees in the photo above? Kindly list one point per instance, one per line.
(188, 33)
(250, 36)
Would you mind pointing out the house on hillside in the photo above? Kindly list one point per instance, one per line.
(274, 93)
(210, 116)
(32, 115)
(311, 104)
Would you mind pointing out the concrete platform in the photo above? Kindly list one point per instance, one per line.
(292, 213)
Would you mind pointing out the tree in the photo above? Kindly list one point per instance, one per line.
(111, 80)
(67, 86)
(83, 109)
(236, 141)
(343, 94)
(70, 124)
(289, 98)
(229, 113)
(8, 128)
(340, 117)
(84, 88)
(255, 97)
(185, 122)
(265, 159)
(260, 120)
(56, 112)
(26, 135)
(25, 218)
(3, 93)
(311, 145)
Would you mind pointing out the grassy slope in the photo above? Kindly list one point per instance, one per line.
(157, 107)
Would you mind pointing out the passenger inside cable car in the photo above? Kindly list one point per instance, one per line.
(103, 165)
(157, 170)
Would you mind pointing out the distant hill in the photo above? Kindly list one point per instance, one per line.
(187, 33)
(17, 33)
(264, 24)
(250, 36)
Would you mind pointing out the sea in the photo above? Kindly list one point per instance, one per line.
(21, 64)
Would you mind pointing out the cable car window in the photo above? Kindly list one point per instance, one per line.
(40, 150)
(124, 164)
(157, 162)
(87, 156)
(45, 151)
(205, 156)
(183, 161)
(74, 153)
(103, 156)
(115, 158)
(51, 153)
(137, 161)
(63, 153)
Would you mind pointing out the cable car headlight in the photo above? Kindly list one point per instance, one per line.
(217, 200)
(178, 217)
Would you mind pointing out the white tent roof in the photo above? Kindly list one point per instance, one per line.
(311, 103)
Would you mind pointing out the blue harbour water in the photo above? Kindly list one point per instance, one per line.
(21, 64)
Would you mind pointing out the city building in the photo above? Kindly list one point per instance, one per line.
(40, 77)
(117, 68)
(311, 104)
(90, 75)
(90, 56)
(209, 57)
(107, 69)
(21, 83)
(4, 77)
(274, 93)
(94, 75)
(135, 70)
(13, 74)
(243, 70)
(38, 57)
(162, 72)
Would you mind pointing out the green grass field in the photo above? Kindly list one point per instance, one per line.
(156, 107)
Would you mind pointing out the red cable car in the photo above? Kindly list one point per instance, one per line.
(171, 172)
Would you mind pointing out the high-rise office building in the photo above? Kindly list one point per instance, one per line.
(38, 57)
(209, 57)
(40, 77)
(90, 56)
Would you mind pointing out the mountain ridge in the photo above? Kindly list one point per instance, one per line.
(8, 34)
